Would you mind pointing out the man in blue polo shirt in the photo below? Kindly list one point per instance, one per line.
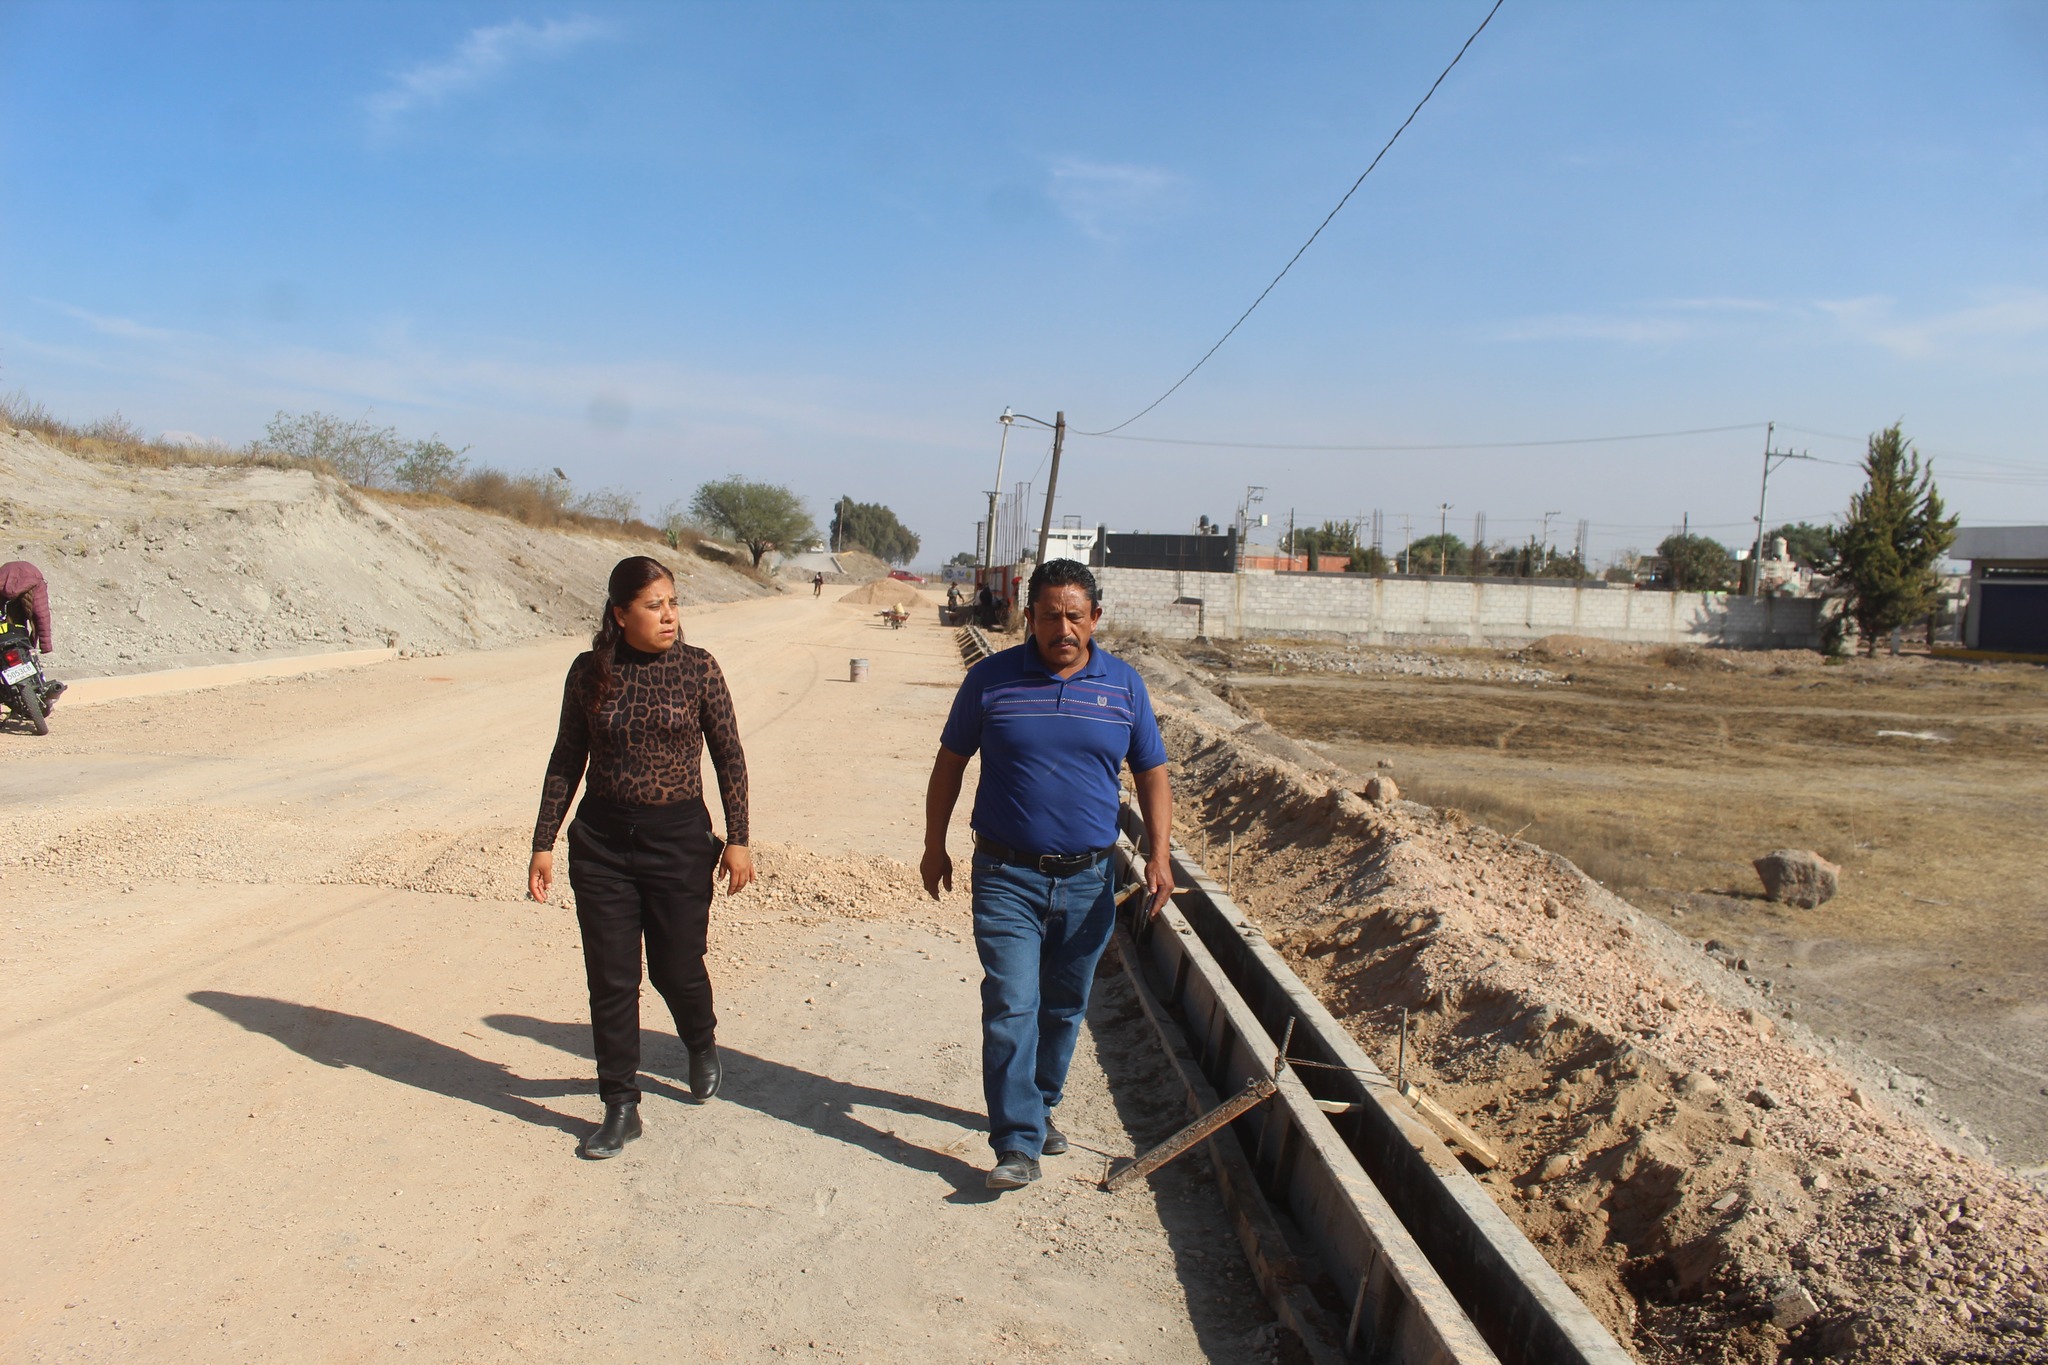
(1055, 719)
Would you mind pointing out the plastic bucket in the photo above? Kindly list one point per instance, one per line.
(857, 670)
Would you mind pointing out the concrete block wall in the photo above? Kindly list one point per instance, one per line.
(1457, 611)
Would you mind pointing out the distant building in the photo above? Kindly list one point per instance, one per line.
(1782, 574)
(1198, 553)
(1070, 542)
(2008, 610)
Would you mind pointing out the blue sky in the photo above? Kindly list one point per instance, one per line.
(827, 244)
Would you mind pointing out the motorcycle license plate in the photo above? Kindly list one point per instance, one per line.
(17, 673)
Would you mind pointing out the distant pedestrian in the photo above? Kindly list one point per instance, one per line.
(1055, 719)
(817, 585)
(638, 710)
(953, 595)
(25, 601)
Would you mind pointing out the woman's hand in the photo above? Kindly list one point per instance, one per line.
(738, 862)
(540, 875)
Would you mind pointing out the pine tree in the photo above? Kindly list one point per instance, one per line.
(1895, 533)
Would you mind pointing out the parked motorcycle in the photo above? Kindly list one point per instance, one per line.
(23, 688)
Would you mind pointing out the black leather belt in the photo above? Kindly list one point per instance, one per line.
(1051, 864)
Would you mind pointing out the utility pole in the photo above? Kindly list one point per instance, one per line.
(1407, 546)
(1290, 537)
(1443, 538)
(1756, 559)
(1543, 551)
(1052, 480)
(988, 560)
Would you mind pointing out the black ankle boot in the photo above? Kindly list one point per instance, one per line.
(705, 1073)
(621, 1125)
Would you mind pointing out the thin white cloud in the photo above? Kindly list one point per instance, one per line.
(397, 374)
(482, 55)
(128, 329)
(2016, 319)
(2007, 329)
(1105, 200)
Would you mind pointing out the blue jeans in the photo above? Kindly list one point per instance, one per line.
(1039, 938)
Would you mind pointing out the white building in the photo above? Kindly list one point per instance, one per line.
(1069, 542)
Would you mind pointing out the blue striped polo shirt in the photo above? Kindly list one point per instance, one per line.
(1052, 748)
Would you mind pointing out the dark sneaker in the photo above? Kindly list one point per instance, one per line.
(1055, 1141)
(1013, 1171)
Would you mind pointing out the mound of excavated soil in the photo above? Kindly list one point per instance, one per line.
(1713, 1186)
(157, 568)
(889, 592)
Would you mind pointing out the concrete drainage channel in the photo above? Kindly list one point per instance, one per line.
(1367, 1236)
(974, 645)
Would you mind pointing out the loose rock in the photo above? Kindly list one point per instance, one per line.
(1798, 877)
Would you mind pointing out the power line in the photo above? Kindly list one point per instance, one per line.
(1931, 455)
(1463, 445)
(1311, 237)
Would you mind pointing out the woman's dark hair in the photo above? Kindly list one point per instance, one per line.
(1062, 573)
(630, 577)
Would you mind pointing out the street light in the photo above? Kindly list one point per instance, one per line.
(988, 558)
(1058, 427)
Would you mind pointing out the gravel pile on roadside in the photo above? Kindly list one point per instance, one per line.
(1714, 1188)
(889, 592)
(1373, 662)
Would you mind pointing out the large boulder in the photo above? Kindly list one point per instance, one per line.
(1798, 877)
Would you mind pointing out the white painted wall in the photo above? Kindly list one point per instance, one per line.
(1402, 610)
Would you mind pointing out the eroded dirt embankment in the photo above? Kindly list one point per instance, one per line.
(1712, 1185)
(158, 568)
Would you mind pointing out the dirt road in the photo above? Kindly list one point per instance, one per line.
(296, 1073)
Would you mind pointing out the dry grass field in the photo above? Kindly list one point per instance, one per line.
(1664, 772)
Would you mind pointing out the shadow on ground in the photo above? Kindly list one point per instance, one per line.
(795, 1096)
(333, 1038)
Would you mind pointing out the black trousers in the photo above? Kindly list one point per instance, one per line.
(642, 872)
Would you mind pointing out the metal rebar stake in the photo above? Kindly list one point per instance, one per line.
(1401, 1055)
(1257, 1092)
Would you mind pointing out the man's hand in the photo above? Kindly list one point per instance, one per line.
(540, 875)
(1158, 881)
(1155, 804)
(936, 868)
(738, 862)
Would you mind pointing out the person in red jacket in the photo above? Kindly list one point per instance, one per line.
(25, 598)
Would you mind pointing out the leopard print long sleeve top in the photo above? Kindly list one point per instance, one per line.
(644, 746)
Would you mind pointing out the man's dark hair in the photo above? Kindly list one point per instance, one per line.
(1062, 573)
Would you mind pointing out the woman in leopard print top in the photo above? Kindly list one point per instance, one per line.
(638, 712)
